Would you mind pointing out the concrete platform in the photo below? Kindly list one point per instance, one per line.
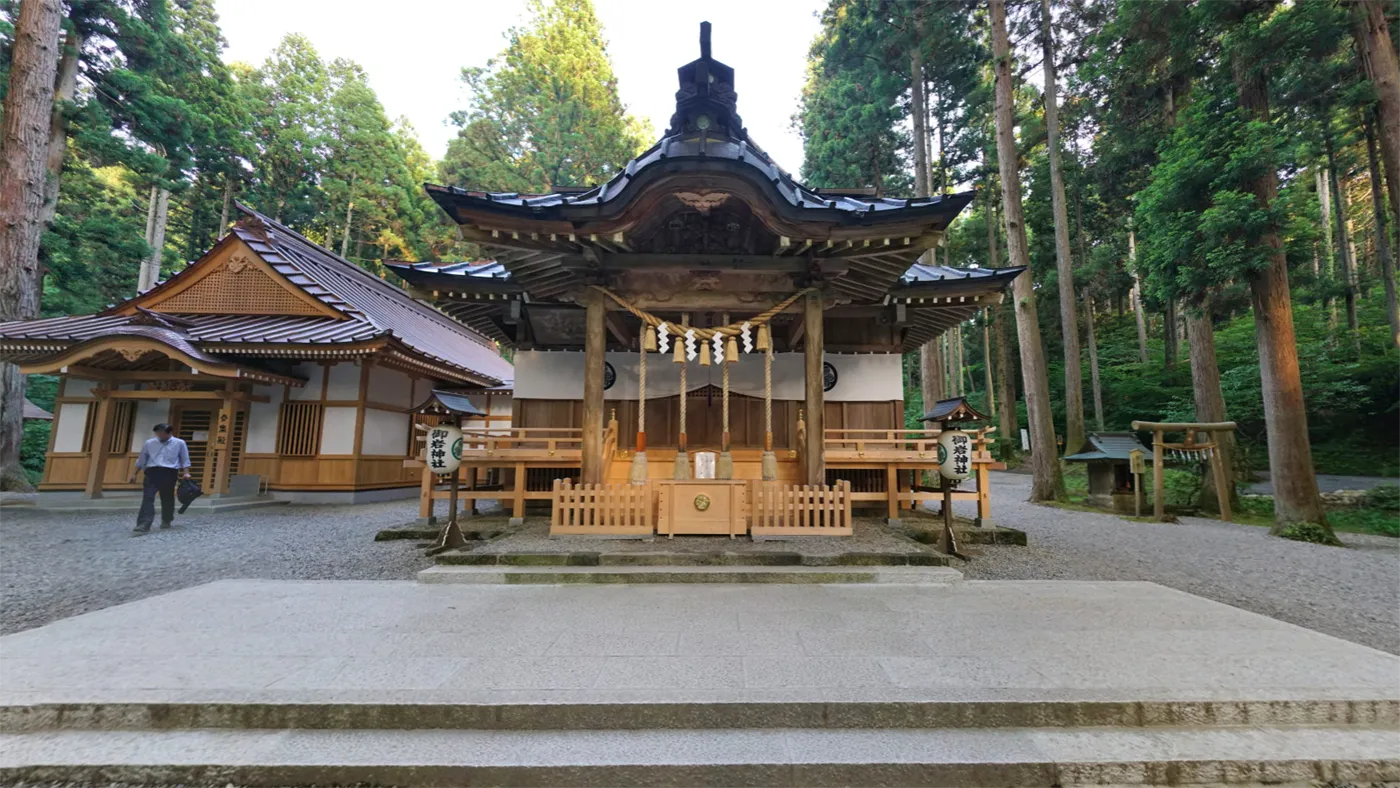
(969, 683)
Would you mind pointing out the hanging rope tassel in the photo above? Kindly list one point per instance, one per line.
(770, 460)
(639, 459)
(682, 469)
(724, 465)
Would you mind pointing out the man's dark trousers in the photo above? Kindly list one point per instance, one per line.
(158, 480)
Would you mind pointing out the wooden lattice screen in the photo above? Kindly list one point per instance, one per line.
(237, 289)
(299, 429)
(123, 425)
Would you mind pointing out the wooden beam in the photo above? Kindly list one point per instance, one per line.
(815, 461)
(795, 331)
(613, 261)
(614, 324)
(594, 346)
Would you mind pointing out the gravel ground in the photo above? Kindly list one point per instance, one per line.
(55, 565)
(1351, 593)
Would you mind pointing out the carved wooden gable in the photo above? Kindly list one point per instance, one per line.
(233, 279)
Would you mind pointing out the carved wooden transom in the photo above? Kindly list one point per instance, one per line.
(704, 223)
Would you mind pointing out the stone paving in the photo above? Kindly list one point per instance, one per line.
(1351, 592)
(290, 641)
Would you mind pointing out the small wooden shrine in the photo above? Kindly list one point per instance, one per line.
(703, 301)
(1108, 458)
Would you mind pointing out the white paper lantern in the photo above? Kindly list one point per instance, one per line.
(955, 455)
(444, 449)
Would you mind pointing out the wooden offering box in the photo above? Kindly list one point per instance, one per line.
(702, 506)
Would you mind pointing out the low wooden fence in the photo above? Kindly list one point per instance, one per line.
(601, 509)
(779, 510)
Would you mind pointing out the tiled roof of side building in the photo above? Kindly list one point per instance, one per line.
(349, 288)
(375, 310)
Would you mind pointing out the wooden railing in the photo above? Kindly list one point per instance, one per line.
(800, 509)
(523, 443)
(881, 444)
(601, 509)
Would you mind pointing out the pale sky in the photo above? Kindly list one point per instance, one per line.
(414, 51)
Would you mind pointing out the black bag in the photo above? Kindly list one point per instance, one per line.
(186, 492)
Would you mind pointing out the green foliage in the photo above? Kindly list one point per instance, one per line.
(1309, 532)
(546, 112)
(1384, 496)
(1382, 521)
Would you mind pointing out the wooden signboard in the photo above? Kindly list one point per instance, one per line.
(702, 506)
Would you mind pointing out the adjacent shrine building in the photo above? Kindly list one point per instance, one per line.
(285, 367)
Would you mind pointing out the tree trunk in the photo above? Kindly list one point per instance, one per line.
(24, 138)
(1383, 259)
(228, 205)
(152, 202)
(1169, 335)
(65, 88)
(1296, 498)
(993, 261)
(1064, 262)
(918, 114)
(1344, 248)
(1093, 363)
(345, 237)
(1382, 66)
(930, 373)
(1135, 295)
(1210, 403)
(150, 268)
(1047, 482)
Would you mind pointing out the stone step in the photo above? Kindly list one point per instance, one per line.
(557, 575)
(659, 713)
(662, 557)
(772, 756)
(119, 503)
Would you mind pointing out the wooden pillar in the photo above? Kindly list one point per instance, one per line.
(892, 491)
(594, 346)
(97, 452)
(814, 346)
(425, 496)
(1158, 478)
(1217, 468)
(517, 503)
(223, 442)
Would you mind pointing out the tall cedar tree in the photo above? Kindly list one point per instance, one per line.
(24, 137)
(1047, 481)
(545, 112)
(1069, 320)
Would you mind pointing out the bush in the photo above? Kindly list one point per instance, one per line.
(1309, 532)
(1370, 521)
(1384, 496)
(1261, 505)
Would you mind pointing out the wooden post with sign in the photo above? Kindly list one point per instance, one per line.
(1138, 466)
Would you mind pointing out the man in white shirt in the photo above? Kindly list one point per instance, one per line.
(163, 458)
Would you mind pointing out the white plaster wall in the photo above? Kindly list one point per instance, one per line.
(859, 377)
(78, 387)
(149, 413)
(273, 393)
(72, 419)
(262, 428)
(344, 382)
(386, 432)
(312, 390)
(391, 387)
(338, 431)
(422, 387)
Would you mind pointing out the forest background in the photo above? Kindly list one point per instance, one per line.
(1154, 239)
